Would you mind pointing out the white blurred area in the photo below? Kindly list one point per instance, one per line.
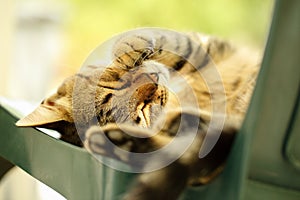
(31, 47)
(31, 44)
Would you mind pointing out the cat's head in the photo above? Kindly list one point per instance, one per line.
(112, 95)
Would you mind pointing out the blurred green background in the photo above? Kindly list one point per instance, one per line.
(44, 41)
(91, 22)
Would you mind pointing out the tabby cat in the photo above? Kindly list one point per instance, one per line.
(185, 91)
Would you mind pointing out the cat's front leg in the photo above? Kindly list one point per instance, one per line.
(119, 142)
(183, 132)
(113, 137)
(168, 183)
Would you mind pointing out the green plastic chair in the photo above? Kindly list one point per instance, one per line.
(274, 116)
(264, 162)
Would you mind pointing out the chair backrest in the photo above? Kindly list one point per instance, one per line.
(275, 154)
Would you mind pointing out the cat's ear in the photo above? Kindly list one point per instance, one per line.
(44, 114)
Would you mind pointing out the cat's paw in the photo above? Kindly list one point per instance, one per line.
(110, 142)
(97, 143)
(118, 141)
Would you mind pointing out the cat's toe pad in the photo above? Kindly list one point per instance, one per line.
(109, 141)
(95, 141)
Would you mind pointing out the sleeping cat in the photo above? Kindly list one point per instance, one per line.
(169, 105)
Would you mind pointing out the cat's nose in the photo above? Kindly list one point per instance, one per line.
(154, 77)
